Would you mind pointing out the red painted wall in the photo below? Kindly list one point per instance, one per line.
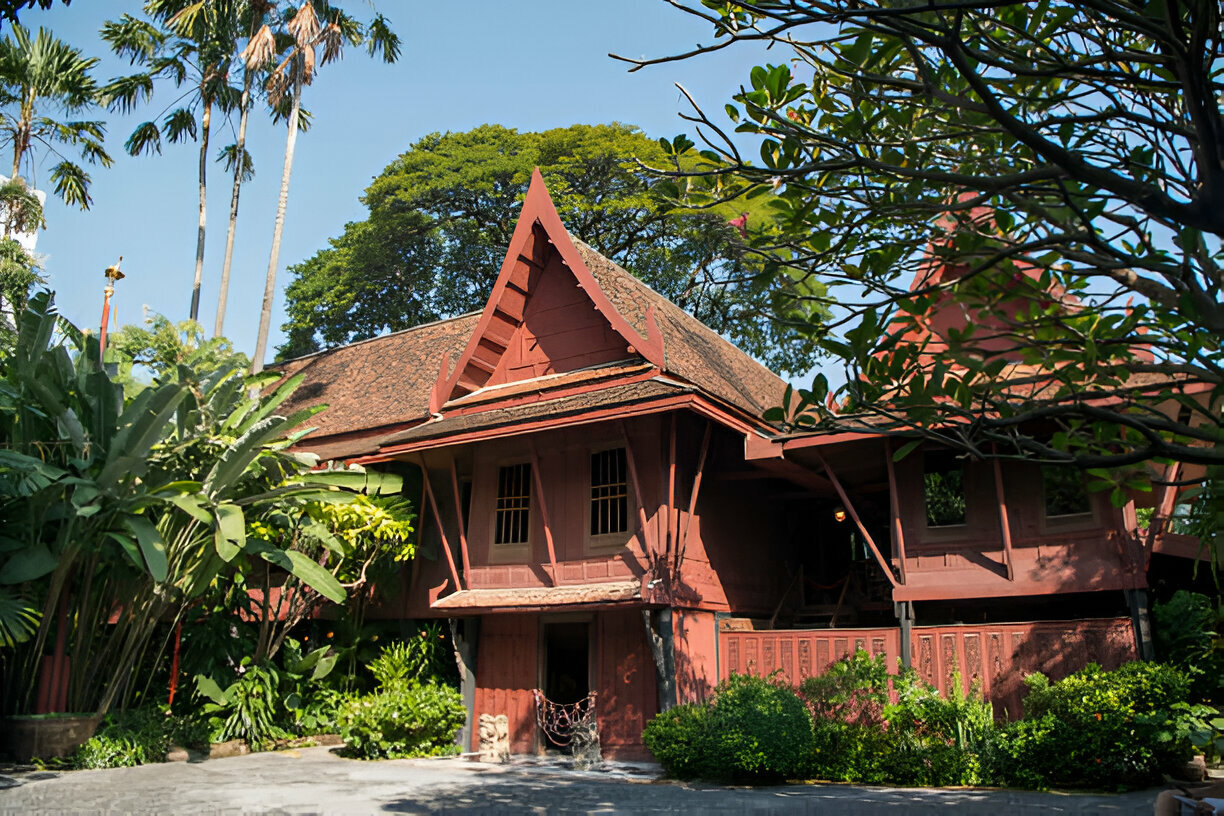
(507, 669)
(628, 695)
(1050, 555)
(565, 464)
(696, 651)
(996, 656)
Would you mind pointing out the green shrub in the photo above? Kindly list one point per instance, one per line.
(849, 731)
(677, 739)
(1102, 729)
(127, 738)
(248, 709)
(1186, 631)
(752, 729)
(402, 720)
(921, 739)
(936, 740)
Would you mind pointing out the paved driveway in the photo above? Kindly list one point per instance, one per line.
(313, 780)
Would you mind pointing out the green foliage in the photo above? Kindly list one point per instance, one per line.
(987, 143)
(139, 506)
(441, 216)
(138, 737)
(752, 729)
(1119, 729)
(402, 720)
(921, 739)
(1186, 629)
(678, 740)
(160, 346)
(248, 709)
(411, 660)
(41, 72)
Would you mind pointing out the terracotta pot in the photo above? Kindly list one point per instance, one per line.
(46, 735)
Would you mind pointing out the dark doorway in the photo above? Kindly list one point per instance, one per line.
(567, 657)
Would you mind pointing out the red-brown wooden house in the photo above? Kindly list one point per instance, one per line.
(604, 509)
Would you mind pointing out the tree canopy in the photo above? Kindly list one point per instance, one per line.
(1063, 161)
(442, 214)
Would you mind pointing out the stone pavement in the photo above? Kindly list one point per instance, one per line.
(314, 780)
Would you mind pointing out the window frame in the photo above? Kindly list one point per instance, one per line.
(607, 542)
(941, 456)
(510, 550)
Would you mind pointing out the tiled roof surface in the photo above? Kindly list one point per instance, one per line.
(379, 382)
(691, 349)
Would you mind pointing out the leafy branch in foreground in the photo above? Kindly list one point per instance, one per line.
(1051, 174)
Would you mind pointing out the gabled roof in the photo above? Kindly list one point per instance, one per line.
(538, 236)
(390, 388)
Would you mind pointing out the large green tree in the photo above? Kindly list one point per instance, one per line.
(442, 214)
(1064, 161)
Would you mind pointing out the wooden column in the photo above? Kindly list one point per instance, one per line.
(894, 502)
(857, 521)
(1004, 522)
(433, 504)
(539, 486)
(663, 648)
(692, 506)
(463, 544)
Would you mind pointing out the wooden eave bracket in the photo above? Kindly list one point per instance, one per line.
(538, 208)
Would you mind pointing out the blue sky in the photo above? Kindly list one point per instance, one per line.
(530, 64)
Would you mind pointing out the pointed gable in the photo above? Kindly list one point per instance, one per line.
(546, 315)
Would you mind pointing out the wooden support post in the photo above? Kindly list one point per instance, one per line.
(857, 521)
(692, 507)
(464, 638)
(463, 544)
(905, 614)
(894, 502)
(1164, 509)
(539, 486)
(671, 487)
(1137, 599)
(643, 524)
(433, 503)
(1004, 522)
(662, 648)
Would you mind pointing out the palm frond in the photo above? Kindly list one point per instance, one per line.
(71, 184)
(180, 125)
(146, 138)
(228, 156)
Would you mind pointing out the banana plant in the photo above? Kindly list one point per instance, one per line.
(115, 517)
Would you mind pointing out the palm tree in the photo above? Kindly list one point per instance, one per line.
(310, 31)
(259, 50)
(42, 71)
(191, 43)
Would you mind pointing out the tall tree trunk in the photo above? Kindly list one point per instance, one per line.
(265, 316)
(239, 157)
(199, 267)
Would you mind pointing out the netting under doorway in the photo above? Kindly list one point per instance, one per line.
(571, 725)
